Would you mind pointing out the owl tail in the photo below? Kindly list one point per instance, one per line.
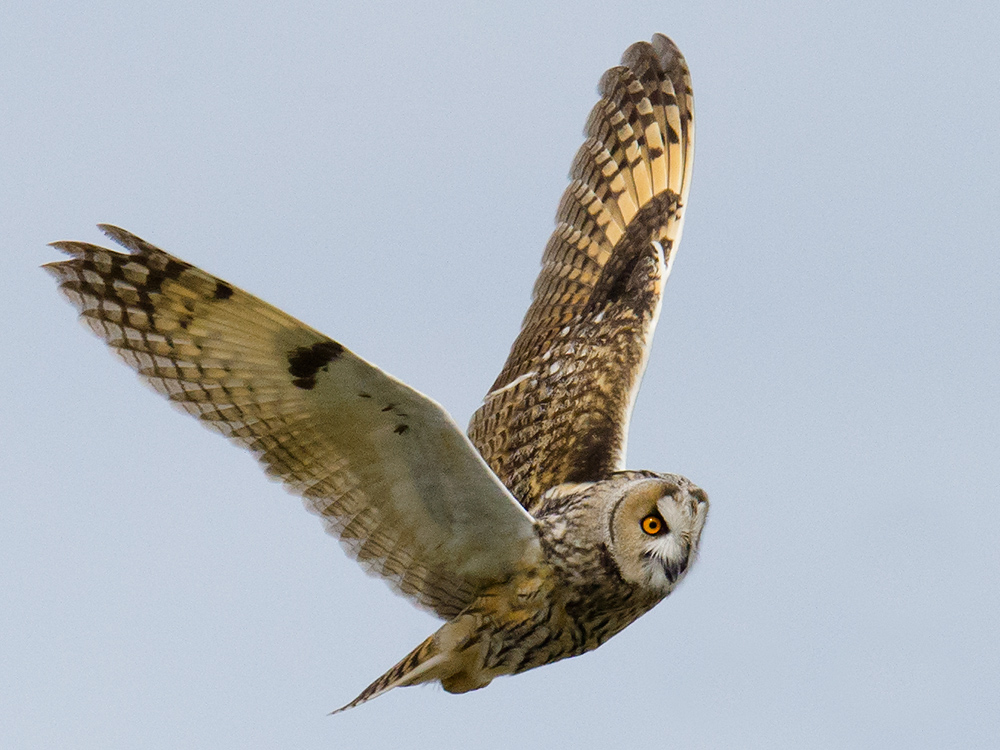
(420, 665)
(454, 655)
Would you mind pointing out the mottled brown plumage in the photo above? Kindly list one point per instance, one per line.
(589, 586)
(526, 536)
(560, 408)
(318, 417)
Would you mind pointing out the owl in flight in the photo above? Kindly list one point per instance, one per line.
(528, 536)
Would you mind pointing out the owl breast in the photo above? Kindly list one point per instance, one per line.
(565, 608)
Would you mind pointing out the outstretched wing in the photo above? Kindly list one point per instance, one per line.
(559, 410)
(385, 467)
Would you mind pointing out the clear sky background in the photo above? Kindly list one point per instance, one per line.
(826, 364)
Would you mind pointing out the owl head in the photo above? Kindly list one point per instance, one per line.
(653, 524)
(649, 523)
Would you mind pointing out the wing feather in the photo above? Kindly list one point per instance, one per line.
(559, 410)
(384, 466)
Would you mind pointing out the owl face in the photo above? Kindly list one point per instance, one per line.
(653, 529)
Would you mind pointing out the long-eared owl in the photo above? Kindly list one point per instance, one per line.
(526, 535)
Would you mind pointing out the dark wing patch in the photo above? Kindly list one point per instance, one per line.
(305, 361)
(427, 515)
(560, 407)
(223, 290)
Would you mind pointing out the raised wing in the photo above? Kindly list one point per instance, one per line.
(560, 408)
(385, 467)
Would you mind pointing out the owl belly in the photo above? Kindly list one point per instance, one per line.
(542, 628)
(535, 618)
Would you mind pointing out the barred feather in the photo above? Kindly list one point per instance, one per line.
(386, 468)
(559, 410)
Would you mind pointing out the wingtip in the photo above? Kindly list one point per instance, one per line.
(661, 43)
(662, 50)
(135, 244)
(62, 246)
(668, 53)
(71, 248)
(119, 235)
(52, 267)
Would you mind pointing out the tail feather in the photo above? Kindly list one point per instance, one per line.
(416, 667)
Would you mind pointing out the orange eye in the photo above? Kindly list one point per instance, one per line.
(653, 524)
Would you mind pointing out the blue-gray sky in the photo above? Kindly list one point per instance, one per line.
(825, 367)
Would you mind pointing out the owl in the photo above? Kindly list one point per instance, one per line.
(526, 535)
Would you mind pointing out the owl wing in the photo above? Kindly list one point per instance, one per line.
(560, 408)
(385, 467)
